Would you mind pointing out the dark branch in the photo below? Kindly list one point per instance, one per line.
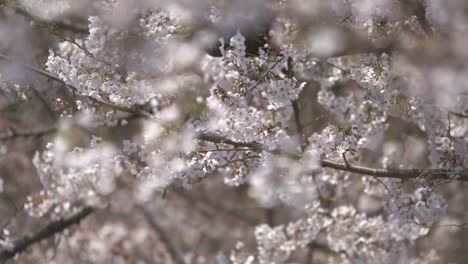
(395, 173)
(463, 115)
(297, 119)
(54, 227)
(219, 139)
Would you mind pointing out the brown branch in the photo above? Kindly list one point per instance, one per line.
(463, 115)
(224, 149)
(270, 216)
(162, 236)
(345, 159)
(54, 227)
(297, 120)
(394, 173)
(381, 173)
(219, 139)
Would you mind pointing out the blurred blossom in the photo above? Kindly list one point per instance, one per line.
(325, 42)
(49, 9)
(374, 9)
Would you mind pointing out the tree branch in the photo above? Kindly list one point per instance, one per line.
(297, 120)
(463, 115)
(219, 139)
(395, 173)
(381, 173)
(54, 227)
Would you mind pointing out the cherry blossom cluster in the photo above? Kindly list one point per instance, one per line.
(84, 175)
(424, 206)
(371, 238)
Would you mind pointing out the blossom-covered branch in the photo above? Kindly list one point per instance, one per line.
(75, 89)
(461, 175)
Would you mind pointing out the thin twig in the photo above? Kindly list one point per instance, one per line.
(258, 81)
(386, 187)
(224, 149)
(222, 140)
(345, 160)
